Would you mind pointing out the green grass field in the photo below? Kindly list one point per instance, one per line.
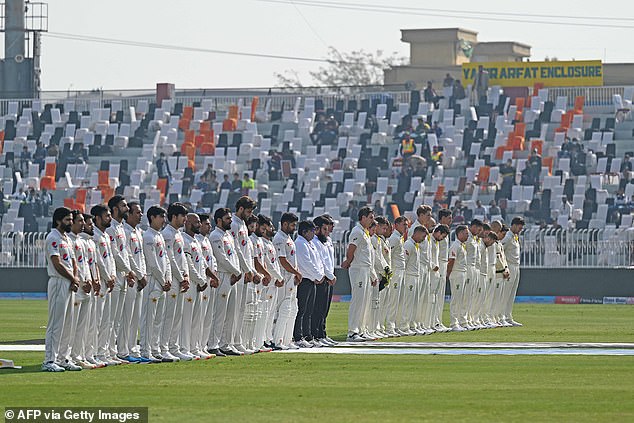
(302, 387)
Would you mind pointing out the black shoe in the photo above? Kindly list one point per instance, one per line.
(217, 352)
(268, 345)
(275, 347)
(230, 352)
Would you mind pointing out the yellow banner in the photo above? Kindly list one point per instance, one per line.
(526, 74)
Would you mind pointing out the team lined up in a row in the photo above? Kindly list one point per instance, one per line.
(187, 291)
(398, 275)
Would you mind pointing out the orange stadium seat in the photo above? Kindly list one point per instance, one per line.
(103, 178)
(548, 162)
(183, 124)
(517, 143)
(229, 125)
(395, 211)
(199, 140)
(204, 126)
(483, 175)
(190, 134)
(579, 102)
(254, 107)
(188, 113)
(233, 112)
(207, 149)
(519, 102)
(537, 144)
(50, 169)
(440, 193)
(520, 129)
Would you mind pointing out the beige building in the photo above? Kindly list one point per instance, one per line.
(434, 52)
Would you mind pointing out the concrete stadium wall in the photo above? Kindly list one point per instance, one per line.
(594, 283)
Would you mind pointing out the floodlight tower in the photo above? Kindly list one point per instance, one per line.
(22, 23)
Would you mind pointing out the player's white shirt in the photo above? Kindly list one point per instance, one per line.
(472, 250)
(458, 252)
(240, 234)
(443, 250)
(80, 251)
(412, 257)
(511, 244)
(363, 253)
(58, 244)
(210, 260)
(272, 263)
(285, 247)
(195, 260)
(397, 253)
(175, 253)
(105, 260)
(483, 263)
(155, 254)
(134, 237)
(91, 254)
(224, 252)
(119, 246)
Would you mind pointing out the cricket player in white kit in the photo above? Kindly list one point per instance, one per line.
(205, 307)
(438, 235)
(81, 304)
(361, 274)
(423, 288)
(473, 245)
(134, 296)
(172, 317)
(90, 342)
(159, 282)
(397, 254)
(457, 275)
(287, 299)
(275, 288)
(229, 274)
(479, 299)
(411, 248)
(124, 277)
(384, 230)
(444, 218)
(63, 282)
(262, 289)
(107, 274)
(199, 282)
(511, 243)
(245, 289)
(501, 277)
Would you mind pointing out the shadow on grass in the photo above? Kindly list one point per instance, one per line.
(34, 368)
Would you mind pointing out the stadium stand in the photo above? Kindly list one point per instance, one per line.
(308, 164)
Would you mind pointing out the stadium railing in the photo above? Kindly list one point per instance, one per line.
(541, 248)
(572, 248)
(597, 99)
(23, 249)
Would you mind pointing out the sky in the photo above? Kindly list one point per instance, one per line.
(297, 28)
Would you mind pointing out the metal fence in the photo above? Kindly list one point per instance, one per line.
(546, 248)
(578, 248)
(583, 248)
(23, 249)
(221, 99)
(599, 99)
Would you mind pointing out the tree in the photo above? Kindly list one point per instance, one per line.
(355, 69)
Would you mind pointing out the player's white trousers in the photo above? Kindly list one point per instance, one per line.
(60, 322)
(360, 300)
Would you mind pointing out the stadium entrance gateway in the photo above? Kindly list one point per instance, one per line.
(547, 74)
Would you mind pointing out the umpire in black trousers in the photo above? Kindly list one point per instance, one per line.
(312, 269)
